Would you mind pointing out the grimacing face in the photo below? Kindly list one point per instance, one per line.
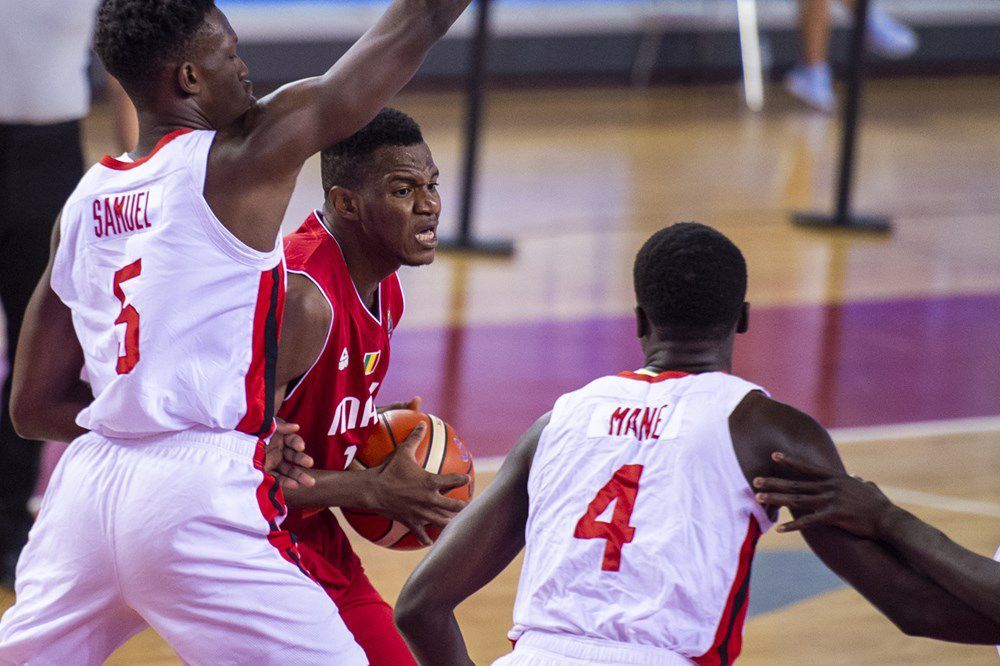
(226, 92)
(399, 203)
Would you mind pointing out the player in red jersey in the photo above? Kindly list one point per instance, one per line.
(344, 300)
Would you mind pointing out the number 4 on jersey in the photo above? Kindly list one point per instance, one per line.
(623, 487)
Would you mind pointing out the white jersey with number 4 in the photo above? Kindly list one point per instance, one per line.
(178, 319)
(642, 525)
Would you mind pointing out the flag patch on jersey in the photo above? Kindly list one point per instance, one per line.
(371, 361)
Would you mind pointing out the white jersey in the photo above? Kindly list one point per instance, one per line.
(178, 319)
(642, 525)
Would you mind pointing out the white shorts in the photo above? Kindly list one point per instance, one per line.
(177, 533)
(539, 648)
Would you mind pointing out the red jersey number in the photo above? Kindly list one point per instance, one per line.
(128, 316)
(623, 487)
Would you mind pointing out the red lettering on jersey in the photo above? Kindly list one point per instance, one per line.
(640, 422)
(617, 419)
(98, 231)
(121, 214)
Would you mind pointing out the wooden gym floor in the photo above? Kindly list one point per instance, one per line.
(891, 342)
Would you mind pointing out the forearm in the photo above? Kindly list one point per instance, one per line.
(55, 420)
(970, 577)
(353, 488)
(434, 637)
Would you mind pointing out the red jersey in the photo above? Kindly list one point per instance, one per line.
(334, 401)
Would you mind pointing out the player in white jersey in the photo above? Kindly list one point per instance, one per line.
(633, 500)
(165, 285)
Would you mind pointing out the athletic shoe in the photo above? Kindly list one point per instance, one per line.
(813, 84)
(889, 38)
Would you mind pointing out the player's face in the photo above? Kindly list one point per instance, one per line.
(226, 93)
(401, 203)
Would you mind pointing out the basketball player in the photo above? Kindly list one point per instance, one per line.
(344, 300)
(166, 285)
(663, 577)
(828, 496)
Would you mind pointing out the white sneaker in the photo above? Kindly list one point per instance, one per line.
(813, 84)
(889, 38)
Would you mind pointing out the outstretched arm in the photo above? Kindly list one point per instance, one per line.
(836, 499)
(475, 548)
(307, 116)
(47, 392)
(911, 600)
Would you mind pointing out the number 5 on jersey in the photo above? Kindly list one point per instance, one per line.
(128, 316)
(622, 489)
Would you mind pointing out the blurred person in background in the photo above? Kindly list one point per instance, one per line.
(44, 93)
(811, 81)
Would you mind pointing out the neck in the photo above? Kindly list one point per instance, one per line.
(693, 357)
(154, 125)
(366, 264)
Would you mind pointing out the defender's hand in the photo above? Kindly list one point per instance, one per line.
(285, 457)
(404, 491)
(413, 404)
(831, 497)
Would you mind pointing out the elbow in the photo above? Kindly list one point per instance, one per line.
(407, 612)
(24, 418)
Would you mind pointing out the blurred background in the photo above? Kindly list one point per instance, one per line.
(601, 122)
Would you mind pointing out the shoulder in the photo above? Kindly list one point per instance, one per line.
(306, 304)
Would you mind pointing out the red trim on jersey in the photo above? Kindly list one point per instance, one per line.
(729, 635)
(653, 379)
(117, 164)
(271, 502)
(259, 417)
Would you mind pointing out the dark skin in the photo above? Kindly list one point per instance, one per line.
(487, 536)
(389, 221)
(826, 496)
(252, 167)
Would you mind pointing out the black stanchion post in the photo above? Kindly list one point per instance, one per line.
(842, 217)
(476, 93)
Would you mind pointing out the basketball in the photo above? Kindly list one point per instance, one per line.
(439, 452)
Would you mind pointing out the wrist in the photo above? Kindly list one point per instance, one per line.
(888, 522)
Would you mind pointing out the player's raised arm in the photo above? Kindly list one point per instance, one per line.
(46, 393)
(307, 116)
(835, 498)
(911, 600)
(475, 548)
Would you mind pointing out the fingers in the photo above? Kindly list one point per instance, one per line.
(292, 476)
(283, 428)
(446, 482)
(420, 532)
(413, 439)
(802, 467)
(298, 458)
(450, 504)
(802, 523)
(792, 501)
(771, 484)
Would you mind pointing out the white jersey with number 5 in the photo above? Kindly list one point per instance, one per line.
(178, 319)
(642, 525)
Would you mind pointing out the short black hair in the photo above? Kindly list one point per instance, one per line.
(691, 281)
(346, 163)
(135, 38)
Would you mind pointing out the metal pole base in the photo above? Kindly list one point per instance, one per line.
(493, 248)
(878, 224)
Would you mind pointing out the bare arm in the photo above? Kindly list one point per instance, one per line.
(475, 548)
(911, 600)
(836, 499)
(47, 392)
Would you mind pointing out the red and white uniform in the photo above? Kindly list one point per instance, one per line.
(161, 514)
(334, 405)
(641, 526)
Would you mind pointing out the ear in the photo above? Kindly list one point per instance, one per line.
(187, 78)
(744, 323)
(343, 202)
(642, 325)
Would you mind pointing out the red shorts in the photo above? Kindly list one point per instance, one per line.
(326, 552)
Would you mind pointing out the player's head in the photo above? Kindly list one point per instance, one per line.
(174, 52)
(381, 184)
(690, 285)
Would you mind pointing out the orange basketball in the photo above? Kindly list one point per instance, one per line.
(439, 452)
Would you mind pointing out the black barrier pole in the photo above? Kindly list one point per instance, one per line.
(842, 217)
(475, 91)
